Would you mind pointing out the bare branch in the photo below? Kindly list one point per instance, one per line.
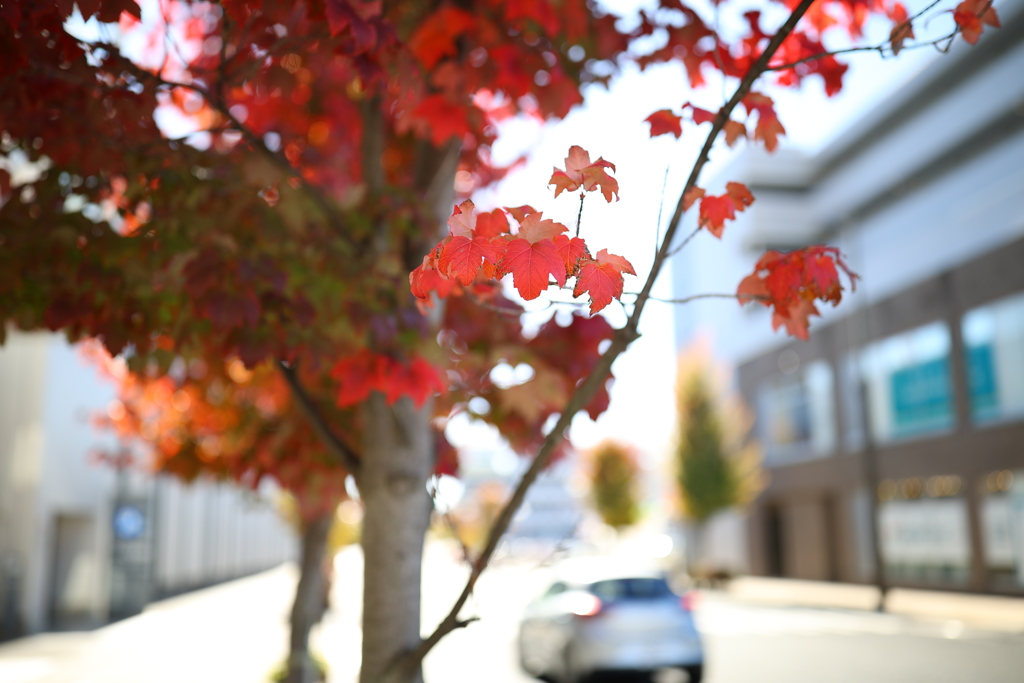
(339, 449)
(685, 300)
(884, 49)
(682, 245)
(579, 216)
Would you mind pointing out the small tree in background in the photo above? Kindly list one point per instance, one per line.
(717, 466)
(613, 482)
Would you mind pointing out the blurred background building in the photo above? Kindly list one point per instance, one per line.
(925, 196)
(81, 542)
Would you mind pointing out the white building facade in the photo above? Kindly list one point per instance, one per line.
(80, 542)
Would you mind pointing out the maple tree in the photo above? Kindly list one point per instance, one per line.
(257, 186)
(613, 471)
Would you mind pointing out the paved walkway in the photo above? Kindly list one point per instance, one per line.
(978, 611)
(236, 632)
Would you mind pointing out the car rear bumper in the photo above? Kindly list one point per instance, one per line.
(639, 655)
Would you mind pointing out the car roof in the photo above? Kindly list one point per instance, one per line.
(586, 570)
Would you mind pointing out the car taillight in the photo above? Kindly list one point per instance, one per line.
(587, 606)
(689, 600)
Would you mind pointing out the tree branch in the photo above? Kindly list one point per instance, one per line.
(348, 458)
(685, 300)
(326, 205)
(620, 341)
(881, 47)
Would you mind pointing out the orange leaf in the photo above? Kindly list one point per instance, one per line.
(692, 195)
(740, 195)
(520, 212)
(734, 130)
(617, 262)
(462, 222)
(534, 229)
(581, 172)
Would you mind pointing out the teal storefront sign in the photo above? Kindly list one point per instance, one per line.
(922, 398)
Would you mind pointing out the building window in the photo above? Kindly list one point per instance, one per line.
(925, 534)
(994, 349)
(797, 414)
(910, 392)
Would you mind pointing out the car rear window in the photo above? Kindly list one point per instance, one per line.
(630, 589)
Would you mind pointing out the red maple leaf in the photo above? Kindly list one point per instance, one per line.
(715, 210)
(701, 115)
(434, 39)
(571, 251)
(462, 257)
(602, 279)
(491, 224)
(530, 265)
(664, 122)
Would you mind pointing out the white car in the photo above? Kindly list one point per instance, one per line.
(596, 621)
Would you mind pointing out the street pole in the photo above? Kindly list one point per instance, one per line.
(870, 464)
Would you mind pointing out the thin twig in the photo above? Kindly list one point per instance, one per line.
(344, 453)
(446, 515)
(881, 47)
(661, 205)
(695, 297)
(683, 244)
(579, 215)
(598, 375)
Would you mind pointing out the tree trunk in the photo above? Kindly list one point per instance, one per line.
(309, 599)
(397, 460)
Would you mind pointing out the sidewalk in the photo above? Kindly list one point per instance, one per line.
(979, 611)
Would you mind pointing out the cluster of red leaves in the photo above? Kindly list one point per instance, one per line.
(226, 421)
(972, 16)
(790, 283)
(767, 128)
(716, 210)
(482, 246)
(365, 371)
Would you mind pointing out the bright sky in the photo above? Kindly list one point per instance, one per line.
(610, 125)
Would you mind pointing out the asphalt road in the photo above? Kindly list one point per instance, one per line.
(235, 633)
